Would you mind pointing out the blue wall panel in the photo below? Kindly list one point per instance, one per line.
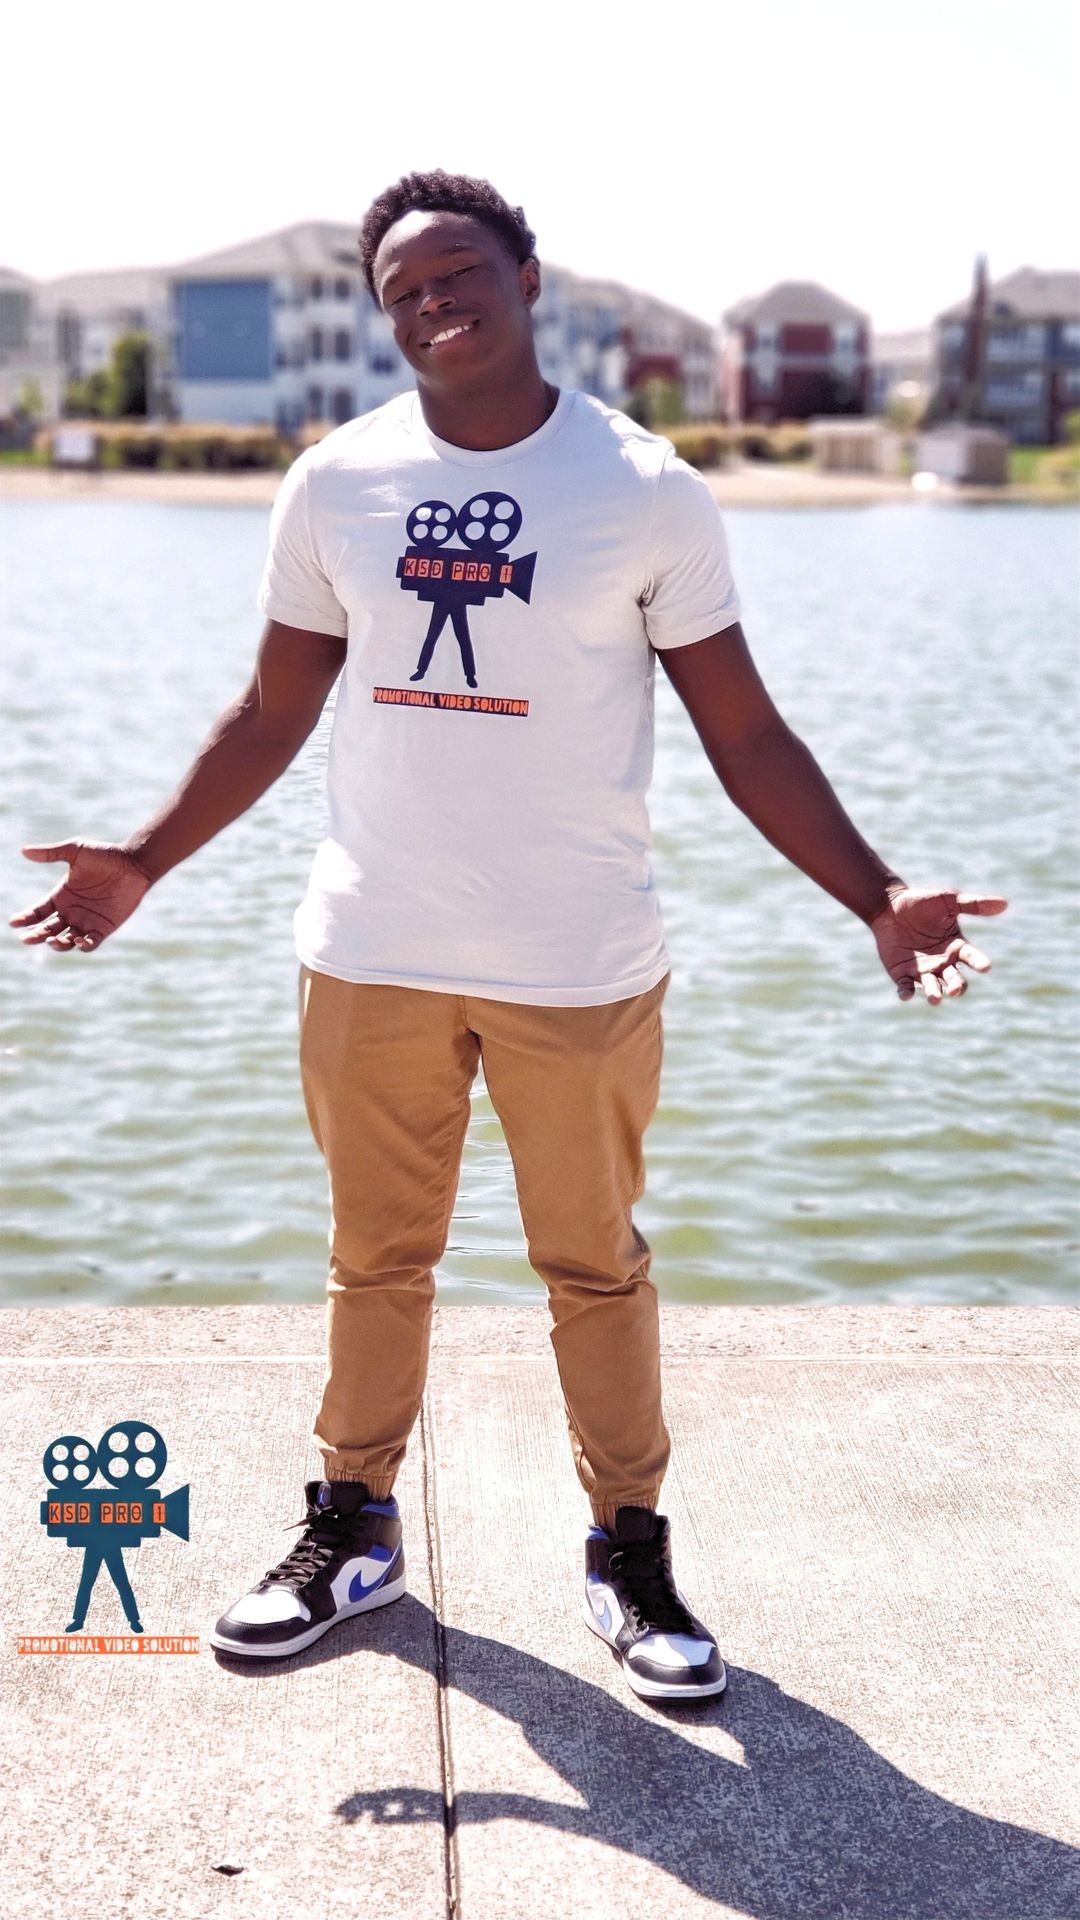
(223, 329)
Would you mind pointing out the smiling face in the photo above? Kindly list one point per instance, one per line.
(458, 301)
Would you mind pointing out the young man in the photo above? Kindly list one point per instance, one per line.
(494, 563)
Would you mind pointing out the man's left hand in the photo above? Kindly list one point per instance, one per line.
(920, 942)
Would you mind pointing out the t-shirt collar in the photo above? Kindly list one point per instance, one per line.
(491, 456)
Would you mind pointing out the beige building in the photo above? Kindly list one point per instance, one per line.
(27, 356)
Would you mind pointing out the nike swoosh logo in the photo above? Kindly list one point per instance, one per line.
(358, 1587)
(603, 1614)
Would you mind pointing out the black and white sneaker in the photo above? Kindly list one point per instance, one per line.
(348, 1559)
(632, 1602)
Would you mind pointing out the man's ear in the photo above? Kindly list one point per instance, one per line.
(529, 275)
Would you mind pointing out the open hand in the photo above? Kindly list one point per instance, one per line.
(920, 942)
(102, 889)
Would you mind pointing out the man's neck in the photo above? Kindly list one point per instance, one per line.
(483, 419)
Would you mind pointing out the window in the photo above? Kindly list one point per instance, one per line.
(343, 405)
(1020, 391)
(315, 288)
(343, 344)
(342, 290)
(381, 363)
(315, 343)
(1015, 343)
(314, 403)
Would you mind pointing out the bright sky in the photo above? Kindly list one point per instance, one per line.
(699, 151)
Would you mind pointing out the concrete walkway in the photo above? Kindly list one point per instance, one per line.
(874, 1508)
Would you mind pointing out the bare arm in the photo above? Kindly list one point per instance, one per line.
(248, 748)
(771, 775)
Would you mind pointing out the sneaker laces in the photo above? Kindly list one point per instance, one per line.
(651, 1594)
(322, 1537)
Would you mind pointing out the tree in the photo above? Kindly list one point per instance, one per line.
(118, 392)
(30, 401)
(905, 410)
(656, 403)
(87, 399)
(129, 375)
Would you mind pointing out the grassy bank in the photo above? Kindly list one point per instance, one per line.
(1053, 469)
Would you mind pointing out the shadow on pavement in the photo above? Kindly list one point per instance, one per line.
(814, 1825)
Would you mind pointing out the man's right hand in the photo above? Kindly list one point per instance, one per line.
(104, 885)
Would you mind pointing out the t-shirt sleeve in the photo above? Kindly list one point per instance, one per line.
(689, 591)
(295, 587)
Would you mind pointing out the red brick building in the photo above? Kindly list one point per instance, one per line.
(793, 352)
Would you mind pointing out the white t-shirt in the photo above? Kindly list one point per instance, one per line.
(492, 739)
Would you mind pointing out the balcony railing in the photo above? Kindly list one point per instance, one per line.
(1006, 393)
(1006, 348)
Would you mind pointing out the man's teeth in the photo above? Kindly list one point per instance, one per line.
(450, 334)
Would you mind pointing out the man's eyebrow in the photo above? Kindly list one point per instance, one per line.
(452, 246)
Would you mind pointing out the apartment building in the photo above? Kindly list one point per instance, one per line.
(27, 355)
(1009, 355)
(283, 329)
(649, 339)
(793, 352)
(86, 313)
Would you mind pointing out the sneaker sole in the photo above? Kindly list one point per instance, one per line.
(380, 1598)
(651, 1689)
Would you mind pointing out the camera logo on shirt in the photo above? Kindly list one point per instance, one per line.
(454, 577)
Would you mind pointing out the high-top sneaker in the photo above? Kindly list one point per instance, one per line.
(348, 1559)
(632, 1602)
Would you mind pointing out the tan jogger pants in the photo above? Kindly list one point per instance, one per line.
(386, 1073)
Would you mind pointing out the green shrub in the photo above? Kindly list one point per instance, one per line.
(711, 443)
(791, 440)
(188, 447)
(754, 442)
(701, 443)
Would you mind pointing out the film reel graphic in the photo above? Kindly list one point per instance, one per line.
(489, 520)
(431, 523)
(486, 523)
(130, 1454)
(70, 1461)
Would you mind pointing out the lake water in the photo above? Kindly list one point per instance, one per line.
(817, 1140)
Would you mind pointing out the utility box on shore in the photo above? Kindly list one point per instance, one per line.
(74, 446)
(854, 444)
(959, 450)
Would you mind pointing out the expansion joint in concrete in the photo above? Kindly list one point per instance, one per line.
(441, 1662)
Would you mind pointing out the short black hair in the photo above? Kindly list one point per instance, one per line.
(440, 192)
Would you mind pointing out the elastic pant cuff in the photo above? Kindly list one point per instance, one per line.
(604, 1510)
(378, 1486)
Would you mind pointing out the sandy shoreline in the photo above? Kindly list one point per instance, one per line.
(751, 484)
